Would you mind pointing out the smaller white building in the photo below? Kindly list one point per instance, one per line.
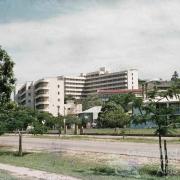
(91, 115)
(70, 108)
(24, 94)
(49, 95)
(46, 95)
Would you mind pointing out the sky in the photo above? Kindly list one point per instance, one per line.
(66, 37)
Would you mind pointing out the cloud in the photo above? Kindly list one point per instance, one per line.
(130, 34)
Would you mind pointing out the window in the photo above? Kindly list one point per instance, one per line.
(58, 86)
(58, 93)
(58, 100)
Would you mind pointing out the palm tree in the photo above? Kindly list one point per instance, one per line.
(175, 76)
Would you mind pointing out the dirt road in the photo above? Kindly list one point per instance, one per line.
(122, 148)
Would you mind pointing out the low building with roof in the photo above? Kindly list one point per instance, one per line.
(91, 115)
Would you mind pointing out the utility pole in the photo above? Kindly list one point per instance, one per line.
(65, 127)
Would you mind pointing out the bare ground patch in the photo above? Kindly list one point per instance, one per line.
(115, 159)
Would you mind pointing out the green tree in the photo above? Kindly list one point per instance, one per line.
(7, 79)
(38, 128)
(72, 119)
(124, 100)
(175, 76)
(48, 119)
(59, 123)
(15, 118)
(91, 101)
(19, 118)
(162, 114)
(112, 115)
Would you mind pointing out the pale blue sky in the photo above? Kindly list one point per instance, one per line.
(56, 37)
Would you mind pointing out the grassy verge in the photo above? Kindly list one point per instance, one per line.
(130, 131)
(80, 166)
(111, 131)
(118, 131)
(107, 139)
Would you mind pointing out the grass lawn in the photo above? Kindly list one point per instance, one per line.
(107, 139)
(119, 131)
(80, 166)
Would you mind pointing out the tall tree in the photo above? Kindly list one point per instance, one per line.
(7, 79)
(175, 76)
(124, 100)
(15, 118)
(72, 119)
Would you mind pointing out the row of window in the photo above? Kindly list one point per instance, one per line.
(71, 79)
(97, 82)
(69, 83)
(97, 77)
(106, 81)
(106, 85)
(105, 76)
(72, 87)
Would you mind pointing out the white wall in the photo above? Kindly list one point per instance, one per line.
(132, 78)
(56, 86)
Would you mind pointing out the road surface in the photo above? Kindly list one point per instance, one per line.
(121, 148)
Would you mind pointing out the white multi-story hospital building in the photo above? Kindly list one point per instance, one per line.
(48, 94)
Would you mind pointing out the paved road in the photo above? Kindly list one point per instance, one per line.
(123, 148)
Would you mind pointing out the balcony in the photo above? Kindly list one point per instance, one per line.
(42, 107)
(40, 86)
(42, 100)
(22, 93)
(23, 99)
(40, 82)
(23, 102)
(42, 93)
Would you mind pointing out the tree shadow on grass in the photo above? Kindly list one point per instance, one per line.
(80, 170)
(119, 173)
(154, 171)
(107, 171)
(13, 153)
(145, 173)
